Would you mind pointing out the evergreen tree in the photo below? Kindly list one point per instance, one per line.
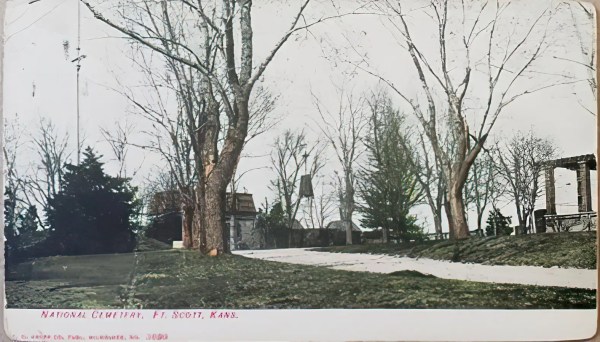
(28, 226)
(276, 219)
(497, 224)
(10, 215)
(92, 212)
(272, 225)
(388, 187)
(20, 225)
(10, 221)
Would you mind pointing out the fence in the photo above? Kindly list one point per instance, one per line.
(564, 223)
(279, 238)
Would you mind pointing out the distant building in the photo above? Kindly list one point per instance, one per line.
(240, 217)
(341, 225)
(164, 202)
(297, 225)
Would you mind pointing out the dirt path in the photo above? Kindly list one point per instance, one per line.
(528, 275)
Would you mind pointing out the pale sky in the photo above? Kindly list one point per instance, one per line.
(40, 81)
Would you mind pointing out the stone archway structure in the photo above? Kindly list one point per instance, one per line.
(582, 165)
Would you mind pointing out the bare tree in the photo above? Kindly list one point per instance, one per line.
(431, 180)
(322, 206)
(502, 57)
(484, 186)
(203, 37)
(171, 133)
(176, 124)
(583, 27)
(11, 148)
(520, 166)
(46, 180)
(118, 139)
(343, 128)
(289, 161)
(15, 188)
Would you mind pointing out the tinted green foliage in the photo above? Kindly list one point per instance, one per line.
(272, 226)
(92, 212)
(20, 225)
(388, 186)
(497, 224)
(567, 249)
(184, 279)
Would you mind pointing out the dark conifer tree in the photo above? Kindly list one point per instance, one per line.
(498, 224)
(92, 213)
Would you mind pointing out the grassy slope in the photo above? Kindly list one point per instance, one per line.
(577, 249)
(182, 279)
(145, 244)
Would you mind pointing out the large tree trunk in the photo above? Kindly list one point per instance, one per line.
(198, 229)
(218, 175)
(214, 219)
(436, 211)
(437, 221)
(457, 177)
(349, 207)
(448, 214)
(348, 225)
(187, 223)
(479, 222)
(457, 218)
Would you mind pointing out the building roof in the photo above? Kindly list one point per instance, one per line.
(165, 202)
(244, 204)
(297, 225)
(341, 225)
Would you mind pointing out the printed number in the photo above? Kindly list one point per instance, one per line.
(157, 337)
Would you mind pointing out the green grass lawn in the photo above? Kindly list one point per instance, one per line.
(172, 279)
(576, 249)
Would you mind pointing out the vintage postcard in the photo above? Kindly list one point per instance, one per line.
(336, 170)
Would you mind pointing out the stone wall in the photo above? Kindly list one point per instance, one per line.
(250, 238)
(309, 238)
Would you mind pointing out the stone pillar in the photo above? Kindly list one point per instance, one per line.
(540, 220)
(233, 238)
(584, 191)
(550, 191)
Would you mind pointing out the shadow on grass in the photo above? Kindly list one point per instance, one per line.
(576, 249)
(173, 279)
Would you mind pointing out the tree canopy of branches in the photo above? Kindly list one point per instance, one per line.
(583, 23)
(91, 213)
(15, 184)
(520, 166)
(53, 153)
(388, 186)
(475, 66)
(322, 206)
(118, 139)
(203, 38)
(484, 186)
(289, 161)
(343, 129)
